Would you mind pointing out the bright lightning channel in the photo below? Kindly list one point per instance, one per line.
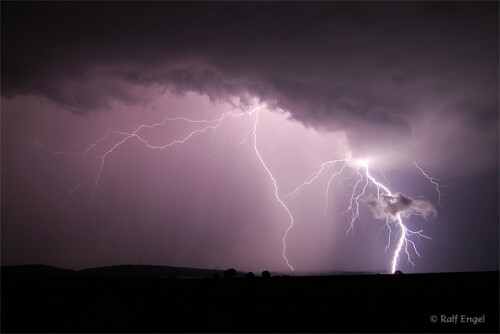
(360, 167)
(275, 184)
(363, 181)
(209, 125)
(434, 182)
(405, 232)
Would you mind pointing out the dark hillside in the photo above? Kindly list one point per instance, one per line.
(360, 303)
(145, 271)
(34, 270)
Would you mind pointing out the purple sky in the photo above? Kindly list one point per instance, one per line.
(391, 83)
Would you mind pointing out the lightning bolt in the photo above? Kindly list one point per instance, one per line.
(363, 180)
(434, 182)
(404, 241)
(361, 172)
(354, 202)
(327, 191)
(209, 125)
(275, 184)
(313, 177)
(126, 136)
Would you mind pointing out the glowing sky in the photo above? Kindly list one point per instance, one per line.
(392, 83)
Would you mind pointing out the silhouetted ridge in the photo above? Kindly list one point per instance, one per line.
(35, 270)
(118, 271)
(136, 271)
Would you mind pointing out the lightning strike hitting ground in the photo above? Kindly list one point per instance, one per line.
(405, 233)
(361, 170)
(275, 184)
(209, 125)
(363, 182)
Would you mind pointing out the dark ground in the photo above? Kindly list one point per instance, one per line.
(359, 303)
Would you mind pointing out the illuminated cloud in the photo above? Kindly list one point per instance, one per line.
(390, 206)
(390, 83)
(385, 74)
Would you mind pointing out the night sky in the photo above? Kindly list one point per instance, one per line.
(389, 83)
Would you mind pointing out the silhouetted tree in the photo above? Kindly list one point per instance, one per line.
(398, 272)
(250, 275)
(266, 274)
(230, 273)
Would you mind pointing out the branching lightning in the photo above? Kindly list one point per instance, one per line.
(209, 125)
(434, 182)
(363, 179)
(126, 136)
(275, 184)
(405, 233)
(327, 191)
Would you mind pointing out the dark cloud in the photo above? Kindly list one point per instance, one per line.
(379, 71)
(400, 81)
(388, 207)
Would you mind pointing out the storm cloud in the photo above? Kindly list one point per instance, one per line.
(387, 83)
(386, 74)
(389, 207)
